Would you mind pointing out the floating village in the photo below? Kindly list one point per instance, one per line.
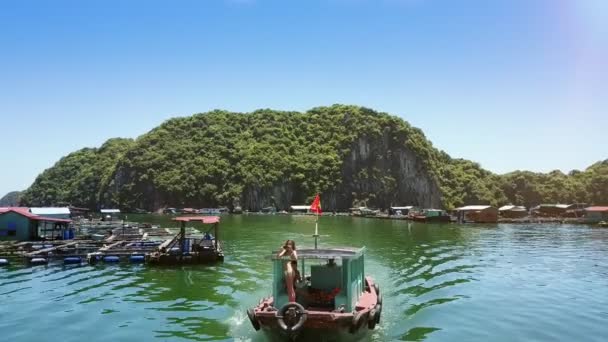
(74, 235)
(318, 290)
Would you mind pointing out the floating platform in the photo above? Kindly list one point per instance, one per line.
(183, 249)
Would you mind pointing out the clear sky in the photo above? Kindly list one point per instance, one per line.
(513, 84)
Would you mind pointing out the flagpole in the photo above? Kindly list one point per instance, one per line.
(316, 231)
(317, 208)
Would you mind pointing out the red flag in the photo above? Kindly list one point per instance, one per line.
(315, 207)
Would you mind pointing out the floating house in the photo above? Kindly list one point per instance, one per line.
(596, 214)
(363, 211)
(212, 211)
(18, 223)
(575, 210)
(111, 214)
(269, 210)
(550, 210)
(477, 214)
(513, 211)
(78, 212)
(401, 211)
(299, 208)
(54, 212)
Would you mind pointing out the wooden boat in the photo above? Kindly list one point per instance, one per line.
(334, 299)
(431, 215)
(183, 249)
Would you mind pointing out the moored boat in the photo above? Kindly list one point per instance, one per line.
(431, 215)
(183, 249)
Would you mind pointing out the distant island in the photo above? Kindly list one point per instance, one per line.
(11, 199)
(351, 155)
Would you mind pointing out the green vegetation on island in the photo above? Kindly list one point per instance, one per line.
(77, 178)
(352, 155)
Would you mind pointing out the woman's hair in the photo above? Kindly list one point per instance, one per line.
(290, 242)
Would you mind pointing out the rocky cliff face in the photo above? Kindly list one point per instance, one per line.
(378, 174)
(373, 174)
(11, 199)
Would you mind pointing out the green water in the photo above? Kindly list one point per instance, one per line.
(440, 283)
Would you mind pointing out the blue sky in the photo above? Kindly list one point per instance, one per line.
(513, 84)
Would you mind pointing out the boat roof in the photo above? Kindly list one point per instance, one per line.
(474, 207)
(110, 211)
(202, 219)
(327, 253)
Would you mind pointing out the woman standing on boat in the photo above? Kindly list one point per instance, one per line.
(289, 250)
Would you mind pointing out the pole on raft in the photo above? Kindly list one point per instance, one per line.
(182, 239)
(316, 236)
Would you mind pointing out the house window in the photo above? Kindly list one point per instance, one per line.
(11, 232)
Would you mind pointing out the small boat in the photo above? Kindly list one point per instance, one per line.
(183, 249)
(431, 215)
(97, 237)
(334, 299)
(603, 224)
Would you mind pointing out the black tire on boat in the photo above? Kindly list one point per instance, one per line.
(378, 294)
(357, 322)
(378, 313)
(253, 320)
(372, 319)
(296, 327)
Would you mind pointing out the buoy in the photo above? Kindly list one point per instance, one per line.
(137, 258)
(111, 258)
(4, 262)
(38, 261)
(72, 260)
(94, 257)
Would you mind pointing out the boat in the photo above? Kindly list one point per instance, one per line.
(334, 299)
(364, 212)
(183, 249)
(431, 215)
(603, 224)
(97, 237)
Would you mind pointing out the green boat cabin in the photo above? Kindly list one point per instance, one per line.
(332, 279)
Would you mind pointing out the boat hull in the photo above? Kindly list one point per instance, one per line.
(325, 335)
(323, 325)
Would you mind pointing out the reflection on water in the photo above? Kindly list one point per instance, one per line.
(440, 282)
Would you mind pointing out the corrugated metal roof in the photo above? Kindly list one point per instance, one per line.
(19, 210)
(25, 212)
(110, 211)
(50, 211)
(596, 208)
(474, 207)
(512, 207)
(300, 207)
